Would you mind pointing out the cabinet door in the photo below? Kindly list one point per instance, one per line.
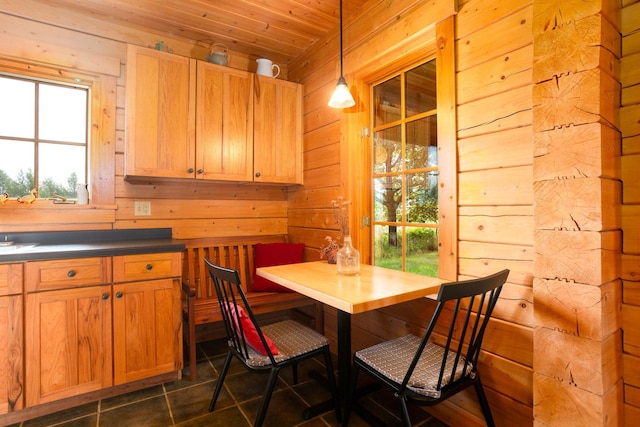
(67, 343)
(160, 114)
(11, 354)
(224, 126)
(147, 329)
(277, 131)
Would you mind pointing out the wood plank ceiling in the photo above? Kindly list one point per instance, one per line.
(276, 29)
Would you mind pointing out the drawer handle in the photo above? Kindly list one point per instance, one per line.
(257, 174)
(105, 296)
(71, 273)
(149, 267)
(118, 294)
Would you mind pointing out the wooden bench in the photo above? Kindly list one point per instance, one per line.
(200, 304)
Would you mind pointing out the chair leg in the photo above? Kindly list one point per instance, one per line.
(406, 419)
(351, 395)
(332, 383)
(223, 374)
(484, 404)
(266, 398)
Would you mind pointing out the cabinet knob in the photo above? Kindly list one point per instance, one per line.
(105, 296)
(71, 273)
(190, 170)
(149, 267)
(200, 171)
(118, 294)
(257, 174)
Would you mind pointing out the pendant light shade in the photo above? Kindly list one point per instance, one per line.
(341, 97)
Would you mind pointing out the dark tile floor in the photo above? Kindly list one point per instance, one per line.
(185, 403)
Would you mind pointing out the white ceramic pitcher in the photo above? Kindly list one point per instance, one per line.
(267, 68)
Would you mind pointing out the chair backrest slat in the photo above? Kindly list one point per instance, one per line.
(232, 299)
(466, 328)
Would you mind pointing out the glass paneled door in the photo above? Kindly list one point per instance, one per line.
(405, 171)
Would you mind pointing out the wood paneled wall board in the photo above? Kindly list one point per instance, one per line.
(629, 64)
(496, 224)
(631, 178)
(502, 374)
(39, 43)
(511, 147)
(631, 226)
(199, 228)
(209, 209)
(629, 120)
(513, 342)
(631, 328)
(630, 95)
(506, 72)
(509, 110)
(496, 186)
(326, 176)
(490, 42)
(481, 14)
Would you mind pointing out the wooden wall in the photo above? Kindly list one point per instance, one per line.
(494, 43)
(630, 172)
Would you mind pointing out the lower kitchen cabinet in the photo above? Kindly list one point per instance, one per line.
(147, 337)
(93, 323)
(11, 343)
(69, 346)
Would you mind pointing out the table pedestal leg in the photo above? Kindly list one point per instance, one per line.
(344, 353)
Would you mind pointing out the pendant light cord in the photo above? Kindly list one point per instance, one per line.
(341, 74)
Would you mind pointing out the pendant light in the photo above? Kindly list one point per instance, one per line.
(341, 97)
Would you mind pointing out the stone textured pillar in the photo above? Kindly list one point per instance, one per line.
(577, 289)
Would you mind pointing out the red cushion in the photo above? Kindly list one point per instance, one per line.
(251, 334)
(268, 254)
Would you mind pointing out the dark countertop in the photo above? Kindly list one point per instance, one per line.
(32, 246)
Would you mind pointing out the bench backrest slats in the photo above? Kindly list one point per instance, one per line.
(236, 255)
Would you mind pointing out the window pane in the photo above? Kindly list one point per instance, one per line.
(422, 142)
(60, 168)
(420, 89)
(386, 99)
(16, 108)
(16, 170)
(422, 197)
(387, 150)
(422, 251)
(388, 247)
(63, 113)
(387, 199)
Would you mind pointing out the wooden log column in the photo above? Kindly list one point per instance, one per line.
(577, 288)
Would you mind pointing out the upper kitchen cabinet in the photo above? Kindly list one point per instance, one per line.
(160, 114)
(194, 119)
(277, 131)
(224, 123)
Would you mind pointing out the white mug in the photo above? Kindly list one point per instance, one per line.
(266, 68)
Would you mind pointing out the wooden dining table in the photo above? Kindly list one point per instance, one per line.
(372, 288)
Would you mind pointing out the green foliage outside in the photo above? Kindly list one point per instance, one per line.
(24, 183)
(422, 252)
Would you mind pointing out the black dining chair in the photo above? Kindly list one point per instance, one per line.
(433, 368)
(265, 349)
